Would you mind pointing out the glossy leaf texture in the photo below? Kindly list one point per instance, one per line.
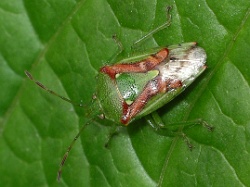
(64, 43)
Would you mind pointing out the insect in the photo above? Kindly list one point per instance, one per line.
(137, 86)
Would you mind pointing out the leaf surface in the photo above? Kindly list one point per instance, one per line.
(64, 43)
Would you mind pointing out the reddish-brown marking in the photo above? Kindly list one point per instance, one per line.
(175, 84)
(155, 86)
(137, 67)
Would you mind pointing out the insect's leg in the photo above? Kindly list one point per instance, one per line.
(156, 122)
(120, 49)
(159, 124)
(50, 91)
(163, 26)
(66, 154)
(140, 66)
(119, 44)
(114, 131)
(192, 123)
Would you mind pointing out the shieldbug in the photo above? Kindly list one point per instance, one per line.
(137, 86)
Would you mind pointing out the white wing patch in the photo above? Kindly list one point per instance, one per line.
(183, 67)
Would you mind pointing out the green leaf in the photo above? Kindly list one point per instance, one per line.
(64, 43)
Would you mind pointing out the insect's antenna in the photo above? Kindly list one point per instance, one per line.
(66, 154)
(50, 91)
